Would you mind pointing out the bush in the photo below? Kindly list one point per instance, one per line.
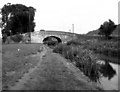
(17, 38)
(71, 54)
(74, 42)
(83, 59)
(61, 48)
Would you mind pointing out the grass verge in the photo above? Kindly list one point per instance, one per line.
(16, 61)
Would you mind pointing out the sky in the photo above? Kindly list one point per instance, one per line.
(60, 15)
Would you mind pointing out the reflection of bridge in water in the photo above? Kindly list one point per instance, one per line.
(38, 37)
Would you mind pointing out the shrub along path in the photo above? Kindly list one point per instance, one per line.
(53, 73)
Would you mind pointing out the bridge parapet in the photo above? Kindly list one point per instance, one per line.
(38, 37)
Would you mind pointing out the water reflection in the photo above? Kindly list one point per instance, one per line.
(107, 71)
(106, 74)
(95, 74)
(109, 79)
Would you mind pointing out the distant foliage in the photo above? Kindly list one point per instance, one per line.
(107, 28)
(50, 43)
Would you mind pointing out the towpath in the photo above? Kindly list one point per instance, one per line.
(53, 72)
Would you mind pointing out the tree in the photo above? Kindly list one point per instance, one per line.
(107, 28)
(17, 18)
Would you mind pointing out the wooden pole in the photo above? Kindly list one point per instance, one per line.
(29, 28)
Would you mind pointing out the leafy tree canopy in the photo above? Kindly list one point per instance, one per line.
(107, 28)
(17, 18)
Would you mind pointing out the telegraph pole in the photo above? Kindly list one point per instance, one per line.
(73, 28)
(73, 31)
(29, 28)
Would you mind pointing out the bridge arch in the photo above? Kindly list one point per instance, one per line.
(52, 38)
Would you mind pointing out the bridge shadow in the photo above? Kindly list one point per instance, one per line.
(52, 40)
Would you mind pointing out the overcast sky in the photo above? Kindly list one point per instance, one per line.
(59, 15)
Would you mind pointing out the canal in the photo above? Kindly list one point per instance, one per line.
(109, 79)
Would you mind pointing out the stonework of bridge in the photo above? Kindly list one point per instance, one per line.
(38, 37)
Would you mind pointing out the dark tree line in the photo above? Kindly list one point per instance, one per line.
(17, 18)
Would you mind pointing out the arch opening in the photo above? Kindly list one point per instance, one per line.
(52, 40)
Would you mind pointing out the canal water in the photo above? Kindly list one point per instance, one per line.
(109, 79)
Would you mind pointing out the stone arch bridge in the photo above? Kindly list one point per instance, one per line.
(38, 37)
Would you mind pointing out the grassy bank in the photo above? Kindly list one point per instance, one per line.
(17, 60)
(105, 48)
(85, 53)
